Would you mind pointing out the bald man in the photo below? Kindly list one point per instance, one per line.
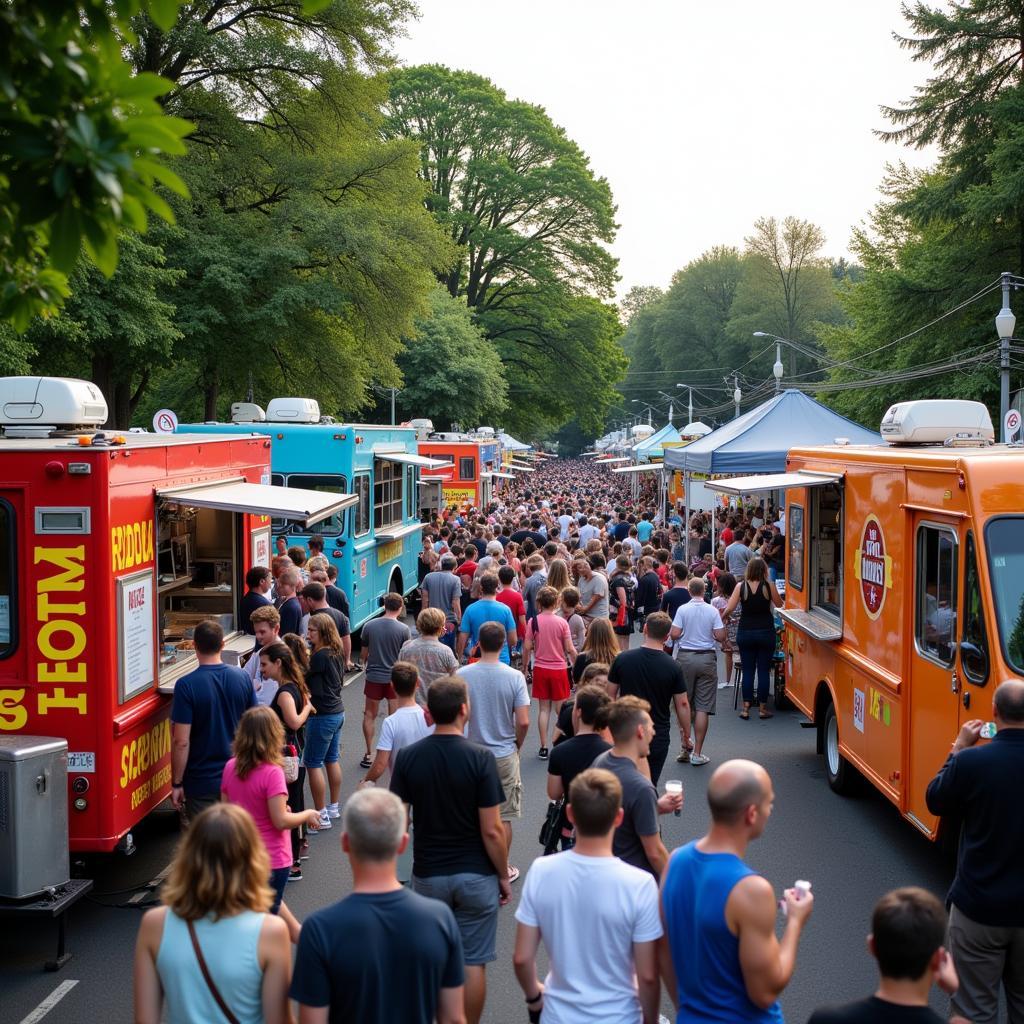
(980, 786)
(723, 960)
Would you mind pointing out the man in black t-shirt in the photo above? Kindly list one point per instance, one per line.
(577, 754)
(349, 952)
(652, 675)
(678, 594)
(459, 851)
(257, 584)
(908, 929)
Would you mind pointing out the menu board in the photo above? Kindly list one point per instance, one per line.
(136, 633)
(260, 550)
(795, 537)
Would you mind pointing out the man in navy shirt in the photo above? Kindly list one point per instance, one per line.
(207, 705)
(257, 584)
(980, 786)
(349, 953)
(288, 583)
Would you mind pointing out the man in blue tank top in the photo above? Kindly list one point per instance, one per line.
(727, 964)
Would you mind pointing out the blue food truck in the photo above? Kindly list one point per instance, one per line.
(376, 541)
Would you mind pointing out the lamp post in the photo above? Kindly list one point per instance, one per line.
(689, 407)
(650, 410)
(671, 406)
(1005, 323)
(736, 394)
(777, 368)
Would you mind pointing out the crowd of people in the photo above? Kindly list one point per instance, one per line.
(535, 598)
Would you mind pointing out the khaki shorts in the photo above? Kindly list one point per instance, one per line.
(700, 671)
(512, 783)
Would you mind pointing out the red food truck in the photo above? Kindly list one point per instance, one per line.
(474, 467)
(112, 547)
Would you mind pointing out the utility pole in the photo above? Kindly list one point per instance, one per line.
(393, 390)
(1005, 323)
(736, 393)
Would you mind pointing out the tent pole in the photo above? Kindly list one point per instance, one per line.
(686, 515)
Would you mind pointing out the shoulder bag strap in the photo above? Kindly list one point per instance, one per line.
(214, 991)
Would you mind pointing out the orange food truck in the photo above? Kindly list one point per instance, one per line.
(904, 604)
(474, 467)
(112, 547)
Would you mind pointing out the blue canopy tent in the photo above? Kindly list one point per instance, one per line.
(759, 440)
(651, 447)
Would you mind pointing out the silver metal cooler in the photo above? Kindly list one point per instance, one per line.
(33, 815)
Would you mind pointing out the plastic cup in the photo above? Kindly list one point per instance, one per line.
(674, 787)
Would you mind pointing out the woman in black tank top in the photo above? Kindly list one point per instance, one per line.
(755, 636)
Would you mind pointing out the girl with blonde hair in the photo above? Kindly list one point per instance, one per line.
(216, 896)
(558, 575)
(600, 646)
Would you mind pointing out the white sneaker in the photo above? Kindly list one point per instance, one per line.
(325, 819)
(332, 810)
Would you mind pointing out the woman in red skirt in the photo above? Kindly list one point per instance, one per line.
(548, 637)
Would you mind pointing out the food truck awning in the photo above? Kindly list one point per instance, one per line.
(408, 459)
(522, 469)
(771, 482)
(647, 467)
(306, 506)
(616, 458)
(503, 476)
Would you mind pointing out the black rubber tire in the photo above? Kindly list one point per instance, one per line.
(840, 773)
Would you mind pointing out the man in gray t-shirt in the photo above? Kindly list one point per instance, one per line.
(499, 719)
(737, 554)
(593, 588)
(637, 840)
(443, 589)
(382, 639)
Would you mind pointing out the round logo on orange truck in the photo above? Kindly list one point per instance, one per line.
(874, 567)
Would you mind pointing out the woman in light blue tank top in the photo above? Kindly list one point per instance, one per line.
(218, 882)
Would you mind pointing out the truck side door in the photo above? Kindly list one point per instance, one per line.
(934, 678)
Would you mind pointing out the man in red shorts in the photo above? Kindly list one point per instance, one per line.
(549, 639)
(382, 640)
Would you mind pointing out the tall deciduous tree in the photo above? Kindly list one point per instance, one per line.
(531, 222)
(451, 373)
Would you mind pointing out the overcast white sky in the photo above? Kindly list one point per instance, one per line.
(703, 116)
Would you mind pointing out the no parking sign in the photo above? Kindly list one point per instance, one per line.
(1011, 426)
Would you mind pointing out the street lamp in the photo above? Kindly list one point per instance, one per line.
(650, 410)
(689, 409)
(1005, 323)
(671, 407)
(777, 368)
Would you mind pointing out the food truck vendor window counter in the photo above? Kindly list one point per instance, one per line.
(198, 573)
(1004, 538)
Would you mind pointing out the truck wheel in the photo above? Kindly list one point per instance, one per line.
(839, 771)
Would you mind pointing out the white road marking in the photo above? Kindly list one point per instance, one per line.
(151, 885)
(49, 1002)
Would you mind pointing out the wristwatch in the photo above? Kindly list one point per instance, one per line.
(535, 999)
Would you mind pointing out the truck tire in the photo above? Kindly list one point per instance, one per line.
(840, 773)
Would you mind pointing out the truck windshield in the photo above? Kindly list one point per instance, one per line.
(1004, 538)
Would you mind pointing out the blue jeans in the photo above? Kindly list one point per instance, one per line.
(757, 649)
(323, 739)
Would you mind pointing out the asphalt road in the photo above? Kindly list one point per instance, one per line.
(851, 849)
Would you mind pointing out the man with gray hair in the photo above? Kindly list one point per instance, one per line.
(348, 952)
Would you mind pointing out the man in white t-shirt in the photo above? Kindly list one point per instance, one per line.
(403, 727)
(697, 630)
(612, 978)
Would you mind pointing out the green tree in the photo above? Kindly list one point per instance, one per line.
(115, 330)
(531, 223)
(82, 141)
(639, 297)
(451, 372)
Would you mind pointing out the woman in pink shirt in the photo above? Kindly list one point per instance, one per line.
(548, 637)
(254, 779)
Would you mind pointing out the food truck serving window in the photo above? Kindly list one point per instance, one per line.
(8, 581)
(936, 593)
(1004, 538)
(387, 493)
(795, 540)
(826, 541)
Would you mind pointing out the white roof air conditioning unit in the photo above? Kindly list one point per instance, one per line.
(50, 403)
(247, 412)
(293, 410)
(936, 421)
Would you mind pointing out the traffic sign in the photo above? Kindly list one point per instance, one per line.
(165, 421)
(1011, 426)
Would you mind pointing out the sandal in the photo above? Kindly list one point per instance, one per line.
(765, 713)
(367, 762)
(745, 713)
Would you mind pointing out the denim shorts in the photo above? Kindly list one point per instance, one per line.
(278, 880)
(474, 901)
(323, 738)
